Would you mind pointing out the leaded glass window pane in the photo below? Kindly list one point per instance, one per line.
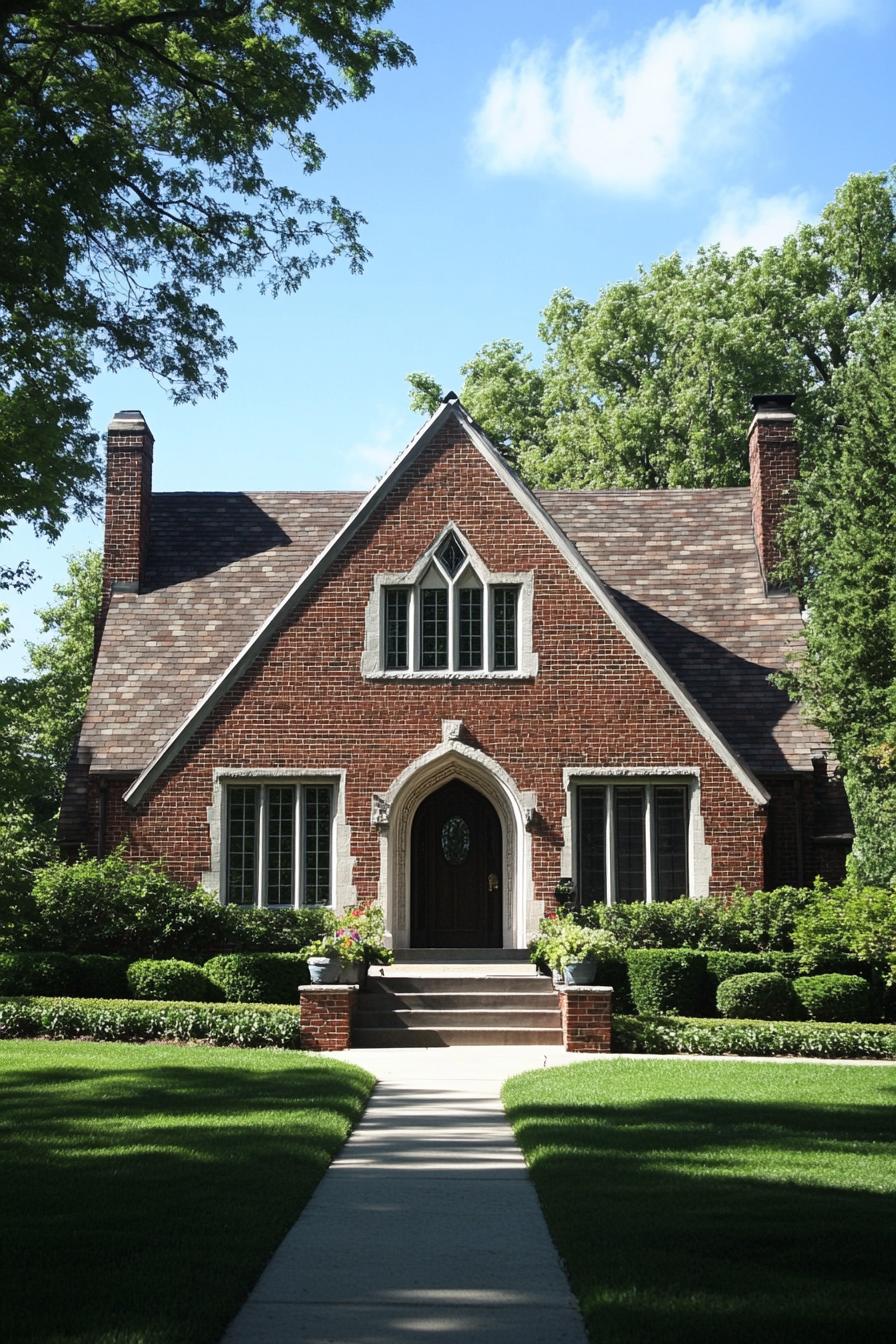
(281, 816)
(396, 628)
(452, 554)
(318, 815)
(628, 803)
(433, 627)
(504, 623)
(592, 835)
(470, 628)
(242, 845)
(670, 828)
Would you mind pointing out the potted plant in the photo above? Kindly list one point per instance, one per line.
(343, 953)
(572, 950)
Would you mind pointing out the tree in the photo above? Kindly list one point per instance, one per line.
(134, 183)
(40, 714)
(650, 385)
(840, 543)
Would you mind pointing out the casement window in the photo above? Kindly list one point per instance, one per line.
(278, 844)
(631, 840)
(450, 620)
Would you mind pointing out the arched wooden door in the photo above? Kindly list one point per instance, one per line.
(456, 870)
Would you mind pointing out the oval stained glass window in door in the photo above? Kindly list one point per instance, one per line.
(455, 840)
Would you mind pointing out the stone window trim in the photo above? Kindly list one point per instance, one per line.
(699, 856)
(343, 895)
(373, 657)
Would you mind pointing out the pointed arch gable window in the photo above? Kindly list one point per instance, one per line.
(450, 615)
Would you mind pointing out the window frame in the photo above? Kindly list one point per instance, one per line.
(263, 785)
(649, 783)
(429, 572)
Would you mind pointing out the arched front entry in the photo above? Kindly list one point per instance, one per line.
(457, 867)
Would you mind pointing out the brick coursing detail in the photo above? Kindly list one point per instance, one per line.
(774, 467)
(128, 504)
(326, 1016)
(303, 704)
(586, 1016)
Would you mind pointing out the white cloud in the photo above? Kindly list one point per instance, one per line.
(628, 119)
(746, 220)
(368, 459)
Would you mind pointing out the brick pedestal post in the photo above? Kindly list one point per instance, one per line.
(586, 1012)
(326, 1016)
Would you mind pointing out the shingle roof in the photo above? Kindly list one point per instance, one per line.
(681, 563)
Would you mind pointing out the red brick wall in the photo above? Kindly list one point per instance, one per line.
(128, 495)
(326, 1013)
(586, 1016)
(304, 704)
(774, 466)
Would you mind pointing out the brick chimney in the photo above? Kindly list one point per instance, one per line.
(129, 444)
(774, 466)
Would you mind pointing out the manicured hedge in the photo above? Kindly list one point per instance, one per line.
(172, 981)
(666, 980)
(764, 995)
(834, 998)
(127, 1020)
(36, 973)
(710, 1036)
(258, 977)
(722, 965)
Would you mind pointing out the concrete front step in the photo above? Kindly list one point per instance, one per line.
(460, 1017)
(462, 955)
(377, 1002)
(458, 984)
(378, 1038)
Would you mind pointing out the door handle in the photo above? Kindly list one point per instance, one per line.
(493, 881)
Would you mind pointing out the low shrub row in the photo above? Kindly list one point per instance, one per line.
(710, 1036)
(237, 977)
(250, 1025)
(770, 996)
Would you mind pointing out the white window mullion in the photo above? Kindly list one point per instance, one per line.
(298, 840)
(413, 649)
(488, 635)
(649, 880)
(262, 842)
(453, 626)
(611, 846)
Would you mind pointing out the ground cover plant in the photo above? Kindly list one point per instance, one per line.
(704, 1200)
(151, 1183)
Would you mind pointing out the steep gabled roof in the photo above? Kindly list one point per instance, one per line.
(317, 567)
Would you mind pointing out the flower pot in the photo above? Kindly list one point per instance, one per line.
(350, 972)
(580, 972)
(324, 970)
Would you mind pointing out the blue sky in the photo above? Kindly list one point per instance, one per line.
(532, 147)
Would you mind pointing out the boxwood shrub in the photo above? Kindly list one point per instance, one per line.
(36, 973)
(127, 1020)
(712, 1036)
(170, 980)
(666, 980)
(834, 998)
(258, 977)
(760, 995)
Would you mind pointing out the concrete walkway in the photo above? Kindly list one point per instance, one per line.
(426, 1227)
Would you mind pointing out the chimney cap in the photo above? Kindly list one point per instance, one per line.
(773, 403)
(129, 422)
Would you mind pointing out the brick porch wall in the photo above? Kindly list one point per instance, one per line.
(586, 1015)
(326, 1016)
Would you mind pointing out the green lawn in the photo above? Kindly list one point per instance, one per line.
(698, 1200)
(143, 1187)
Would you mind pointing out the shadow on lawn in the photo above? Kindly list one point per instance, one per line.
(141, 1204)
(683, 1219)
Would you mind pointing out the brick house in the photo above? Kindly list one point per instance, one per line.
(452, 692)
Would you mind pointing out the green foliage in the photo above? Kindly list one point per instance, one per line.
(723, 965)
(126, 1020)
(760, 995)
(562, 940)
(251, 929)
(354, 937)
(764, 921)
(666, 981)
(258, 977)
(36, 973)
(170, 980)
(110, 905)
(834, 998)
(681, 923)
(840, 544)
(40, 714)
(701, 1036)
(650, 384)
(135, 148)
(849, 921)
